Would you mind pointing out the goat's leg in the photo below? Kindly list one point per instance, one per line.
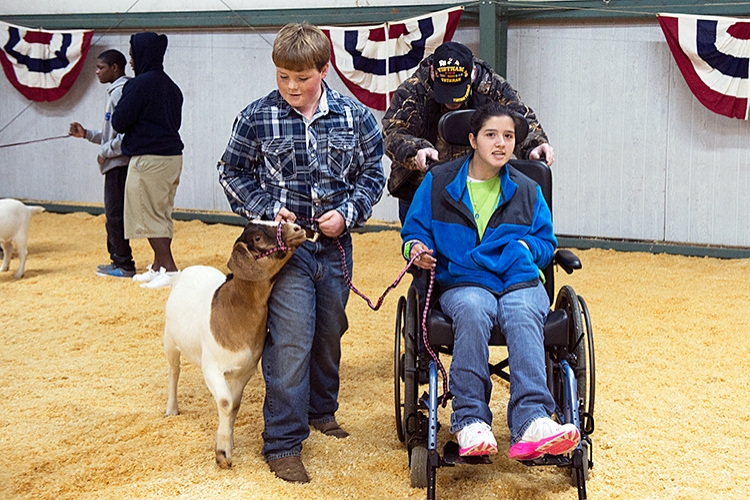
(236, 387)
(219, 388)
(7, 253)
(22, 253)
(173, 360)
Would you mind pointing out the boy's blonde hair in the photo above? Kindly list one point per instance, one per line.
(301, 46)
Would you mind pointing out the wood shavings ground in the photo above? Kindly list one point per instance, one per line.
(83, 384)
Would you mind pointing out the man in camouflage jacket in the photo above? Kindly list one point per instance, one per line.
(410, 124)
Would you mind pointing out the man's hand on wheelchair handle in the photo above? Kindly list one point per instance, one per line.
(425, 157)
(426, 260)
(543, 151)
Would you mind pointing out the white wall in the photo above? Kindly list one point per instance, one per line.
(219, 73)
(638, 157)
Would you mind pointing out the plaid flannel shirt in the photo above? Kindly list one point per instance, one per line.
(276, 158)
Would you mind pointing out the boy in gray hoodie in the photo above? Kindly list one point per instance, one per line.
(113, 164)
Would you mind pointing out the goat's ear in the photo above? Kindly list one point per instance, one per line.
(245, 266)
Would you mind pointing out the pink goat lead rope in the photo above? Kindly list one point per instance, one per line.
(387, 290)
(280, 247)
(444, 398)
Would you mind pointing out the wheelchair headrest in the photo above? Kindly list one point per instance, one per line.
(454, 127)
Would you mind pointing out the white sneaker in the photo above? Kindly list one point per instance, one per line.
(476, 440)
(162, 279)
(149, 275)
(545, 437)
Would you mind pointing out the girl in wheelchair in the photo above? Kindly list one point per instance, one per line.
(486, 230)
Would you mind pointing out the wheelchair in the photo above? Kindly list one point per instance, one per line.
(569, 357)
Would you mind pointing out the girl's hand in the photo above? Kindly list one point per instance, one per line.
(426, 260)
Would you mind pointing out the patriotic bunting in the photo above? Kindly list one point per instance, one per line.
(373, 60)
(712, 54)
(42, 65)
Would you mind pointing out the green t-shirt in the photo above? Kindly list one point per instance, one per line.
(484, 198)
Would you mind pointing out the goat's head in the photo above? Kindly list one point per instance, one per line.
(251, 260)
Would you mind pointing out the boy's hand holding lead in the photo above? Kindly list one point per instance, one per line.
(331, 224)
(285, 215)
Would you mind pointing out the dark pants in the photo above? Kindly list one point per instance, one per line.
(403, 208)
(114, 202)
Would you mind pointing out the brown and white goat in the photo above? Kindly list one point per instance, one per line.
(219, 322)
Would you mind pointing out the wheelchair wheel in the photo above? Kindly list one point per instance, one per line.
(591, 365)
(405, 365)
(418, 462)
(398, 370)
(411, 372)
(581, 343)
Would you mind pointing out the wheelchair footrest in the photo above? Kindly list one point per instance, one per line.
(451, 457)
(560, 461)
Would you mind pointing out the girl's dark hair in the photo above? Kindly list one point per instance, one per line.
(492, 109)
(112, 57)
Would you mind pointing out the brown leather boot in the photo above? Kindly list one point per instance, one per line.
(331, 429)
(289, 469)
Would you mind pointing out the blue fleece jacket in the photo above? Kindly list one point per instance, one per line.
(441, 217)
(150, 110)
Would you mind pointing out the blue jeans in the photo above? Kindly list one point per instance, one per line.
(521, 315)
(302, 353)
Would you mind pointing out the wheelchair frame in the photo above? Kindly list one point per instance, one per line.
(569, 360)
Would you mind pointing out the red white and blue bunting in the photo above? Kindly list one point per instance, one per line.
(40, 64)
(372, 61)
(712, 54)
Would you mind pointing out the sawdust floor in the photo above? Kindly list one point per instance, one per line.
(83, 384)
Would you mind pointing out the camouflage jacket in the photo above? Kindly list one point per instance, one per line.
(411, 123)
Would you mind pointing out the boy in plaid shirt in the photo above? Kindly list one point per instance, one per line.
(306, 154)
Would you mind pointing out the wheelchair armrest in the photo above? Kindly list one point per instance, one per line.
(567, 260)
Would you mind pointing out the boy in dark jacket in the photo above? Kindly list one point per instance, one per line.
(149, 114)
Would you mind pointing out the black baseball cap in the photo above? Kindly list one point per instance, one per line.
(452, 63)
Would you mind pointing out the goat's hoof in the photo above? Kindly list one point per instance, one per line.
(222, 460)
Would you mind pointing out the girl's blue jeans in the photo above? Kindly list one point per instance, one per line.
(521, 314)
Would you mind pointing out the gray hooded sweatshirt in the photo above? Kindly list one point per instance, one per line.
(107, 137)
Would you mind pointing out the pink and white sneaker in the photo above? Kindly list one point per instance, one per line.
(476, 440)
(545, 437)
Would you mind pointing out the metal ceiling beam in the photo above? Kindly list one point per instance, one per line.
(514, 10)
